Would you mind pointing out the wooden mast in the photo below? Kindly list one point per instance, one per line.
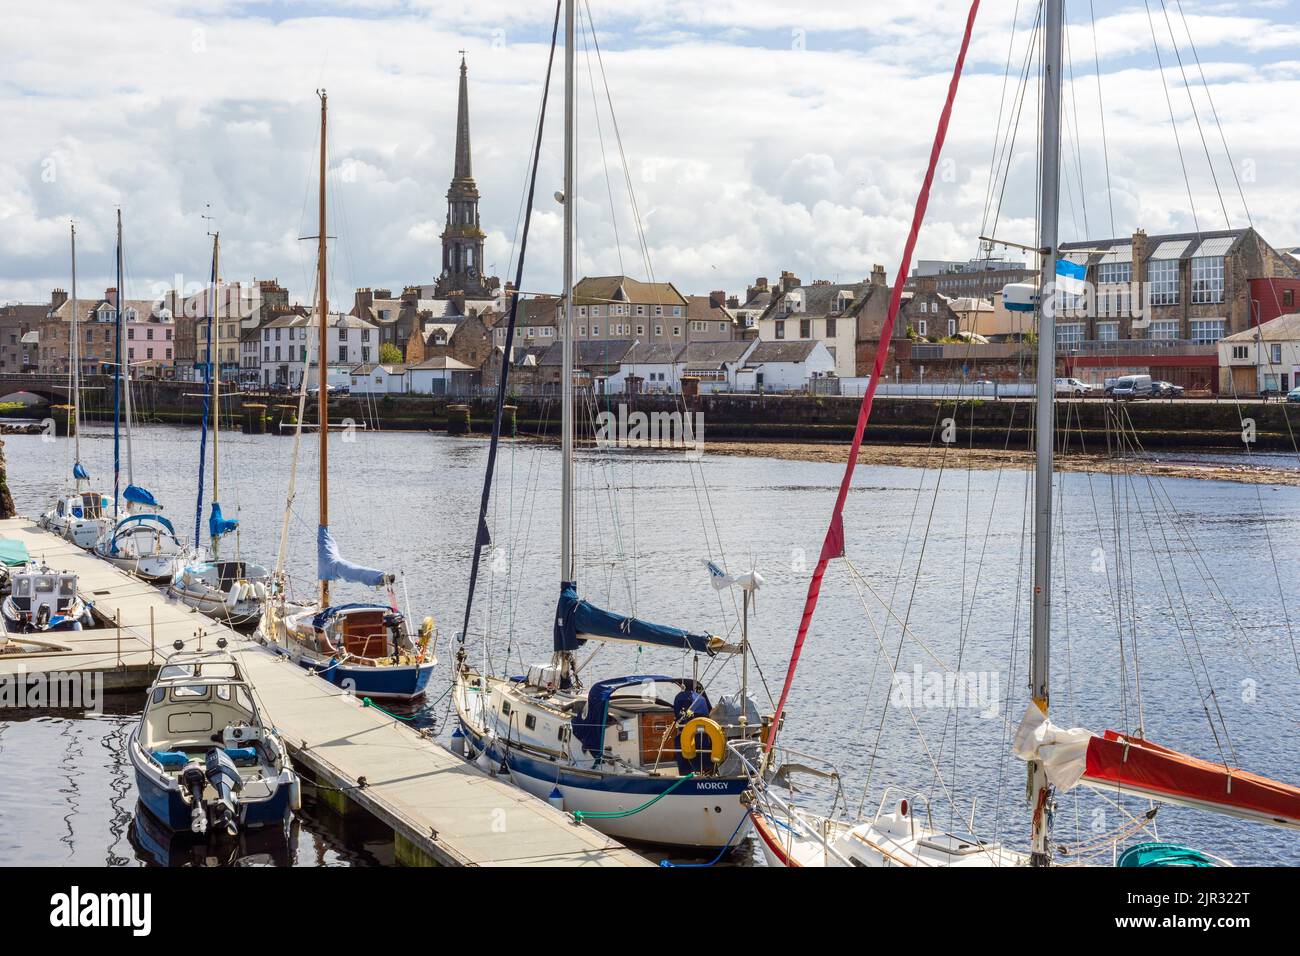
(322, 362)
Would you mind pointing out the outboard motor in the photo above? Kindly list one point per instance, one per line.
(192, 780)
(225, 779)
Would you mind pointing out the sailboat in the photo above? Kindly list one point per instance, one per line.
(79, 511)
(230, 590)
(139, 540)
(365, 647)
(644, 757)
(1058, 759)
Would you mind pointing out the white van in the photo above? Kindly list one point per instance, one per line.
(1132, 386)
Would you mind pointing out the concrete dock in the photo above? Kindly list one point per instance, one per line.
(442, 810)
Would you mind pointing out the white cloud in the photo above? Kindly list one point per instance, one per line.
(748, 155)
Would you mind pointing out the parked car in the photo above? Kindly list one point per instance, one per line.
(1293, 395)
(1072, 386)
(1166, 390)
(1131, 386)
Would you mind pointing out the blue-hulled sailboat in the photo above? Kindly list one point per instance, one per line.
(366, 648)
(229, 589)
(78, 512)
(642, 757)
(139, 540)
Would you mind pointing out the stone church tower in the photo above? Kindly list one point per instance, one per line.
(462, 239)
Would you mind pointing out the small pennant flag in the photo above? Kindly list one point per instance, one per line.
(1071, 277)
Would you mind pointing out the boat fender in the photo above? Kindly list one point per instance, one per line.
(717, 739)
(295, 793)
(556, 799)
(458, 742)
(260, 590)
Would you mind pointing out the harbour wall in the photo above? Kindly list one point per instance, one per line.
(1090, 425)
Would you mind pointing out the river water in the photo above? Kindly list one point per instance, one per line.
(1208, 620)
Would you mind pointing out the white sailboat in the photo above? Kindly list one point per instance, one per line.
(229, 589)
(139, 540)
(77, 512)
(643, 757)
(366, 647)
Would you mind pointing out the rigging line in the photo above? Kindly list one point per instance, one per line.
(1101, 112)
(1215, 112)
(1169, 101)
(1196, 115)
(889, 612)
(600, 137)
(994, 162)
(481, 535)
(1015, 127)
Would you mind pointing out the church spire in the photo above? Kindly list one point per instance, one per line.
(463, 169)
(462, 238)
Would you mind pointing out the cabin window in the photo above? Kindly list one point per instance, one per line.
(563, 734)
(530, 721)
(159, 694)
(505, 708)
(190, 692)
(223, 692)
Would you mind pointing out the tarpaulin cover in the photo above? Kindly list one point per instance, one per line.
(576, 620)
(590, 727)
(13, 554)
(140, 496)
(330, 565)
(218, 525)
(323, 617)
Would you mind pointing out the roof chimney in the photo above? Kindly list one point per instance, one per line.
(57, 298)
(717, 300)
(878, 275)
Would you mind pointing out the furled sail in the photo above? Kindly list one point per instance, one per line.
(79, 472)
(218, 524)
(1115, 761)
(578, 621)
(140, 496)
(330, 565)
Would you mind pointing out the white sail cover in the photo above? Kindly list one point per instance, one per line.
(1063, 753)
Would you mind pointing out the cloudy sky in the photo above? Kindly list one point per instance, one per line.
(759, 135)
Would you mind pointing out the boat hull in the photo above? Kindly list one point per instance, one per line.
(157, 569)
(702, 814)
(243, 615)
(395, 682)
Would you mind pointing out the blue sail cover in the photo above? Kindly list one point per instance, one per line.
(79, 472)
(218, 525)
(330, 565)
(140, 496)
(137, 519)
(590, 727)
(574, 617)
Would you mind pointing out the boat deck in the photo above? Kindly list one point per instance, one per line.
(442, 810)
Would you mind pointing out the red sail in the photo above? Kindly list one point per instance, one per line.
(833, 546)
(1138, 766)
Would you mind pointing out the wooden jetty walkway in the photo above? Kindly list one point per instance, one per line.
(442, 810)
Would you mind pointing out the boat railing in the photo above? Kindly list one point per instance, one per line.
(765, 794)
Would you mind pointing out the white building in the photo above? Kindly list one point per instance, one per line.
(379, 380)
(1266, 358)
(649, 369)
(287, 343)
(440, 375)
(784, 366)
(715, 364)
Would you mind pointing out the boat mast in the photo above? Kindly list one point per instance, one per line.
(74, 371)
(322, 360)
(1045, 430)
(117, 375)
(568, 570)
(214, 369)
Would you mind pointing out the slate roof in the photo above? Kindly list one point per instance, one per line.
(797, 351)
(610, 352)
(1285, 328)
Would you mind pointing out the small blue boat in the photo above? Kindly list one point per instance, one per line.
(202, 756)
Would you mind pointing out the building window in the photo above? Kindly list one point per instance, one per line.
(830, 328)
(640, 330)
(1207, 280)
(1108, 331)
(952, 327)
(595, 310)
(1207, 331)
(1275, 353)
(1115, 273)
(343, 353)
(779, 325)
(1162, 277)
(640, 310)
(1288, 297)
(595, 330)
(1241, 351)
(677, 331)
(922, 327)
(805, 328)
(659, 310)
(1164, 330)
(1069, 335)
(130, 334)
(582, 330)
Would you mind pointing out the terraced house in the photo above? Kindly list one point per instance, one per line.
(608, 308)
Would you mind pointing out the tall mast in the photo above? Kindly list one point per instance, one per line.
(214, 338)
(74, 363)
(322, 359)
(117, 374)
(568, 570)
(1045, 431)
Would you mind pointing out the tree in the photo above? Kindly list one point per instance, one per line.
(390, 354)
